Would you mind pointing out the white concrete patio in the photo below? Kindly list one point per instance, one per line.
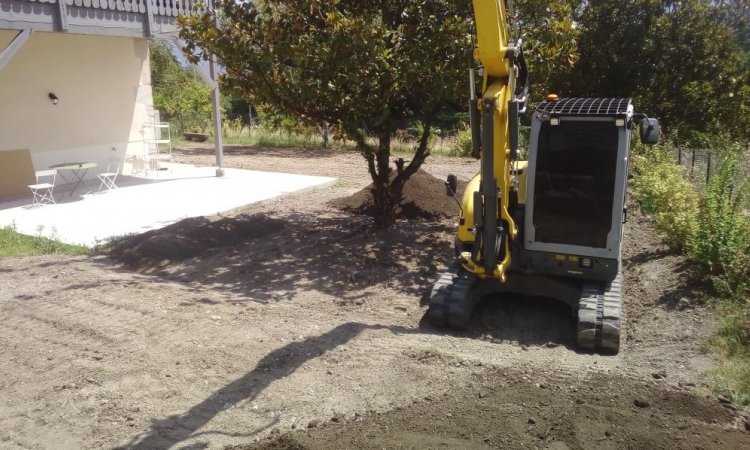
(143, 203)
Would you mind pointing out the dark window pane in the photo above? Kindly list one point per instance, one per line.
(575, 183)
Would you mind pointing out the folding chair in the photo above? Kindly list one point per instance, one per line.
(108, 178)
(45, 184)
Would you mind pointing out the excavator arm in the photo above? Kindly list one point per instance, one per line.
(494, 122)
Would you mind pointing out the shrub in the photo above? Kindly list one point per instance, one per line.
(463, 141)
(663, 191)
(714, 231)
(720, 246)
(462, 145)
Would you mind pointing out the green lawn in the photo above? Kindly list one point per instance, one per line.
(13, 244)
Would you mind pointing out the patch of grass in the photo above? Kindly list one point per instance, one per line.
(339, 183)
(440, 145)
(732, 337)
(13, 243)
(431, 353)
(428, 354)
(434, 351)
(731, 341)
(732, 379)
(267, 138)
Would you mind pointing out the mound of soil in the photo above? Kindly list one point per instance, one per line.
(424, 197)
(501, 409)
(191, 237)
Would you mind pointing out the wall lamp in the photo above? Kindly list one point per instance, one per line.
(54, 98)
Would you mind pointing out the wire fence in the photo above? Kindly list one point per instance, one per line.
(701, 164)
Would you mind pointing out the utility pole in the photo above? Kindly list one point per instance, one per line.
(216, 99)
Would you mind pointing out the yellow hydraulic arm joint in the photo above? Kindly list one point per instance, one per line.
(495, 227)
(493, 37)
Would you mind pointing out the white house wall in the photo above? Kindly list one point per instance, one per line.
(104, 89)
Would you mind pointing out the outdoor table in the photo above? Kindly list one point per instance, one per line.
(79, 170)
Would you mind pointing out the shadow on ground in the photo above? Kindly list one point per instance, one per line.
(280, 363)
(525, 321)
(341, 255)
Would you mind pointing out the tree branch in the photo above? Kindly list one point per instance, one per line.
(420, 154)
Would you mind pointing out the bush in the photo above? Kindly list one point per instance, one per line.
(663, 192)
(720, 246)
(463, 142)
(462, 145)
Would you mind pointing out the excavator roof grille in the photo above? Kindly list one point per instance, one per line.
(585, 106)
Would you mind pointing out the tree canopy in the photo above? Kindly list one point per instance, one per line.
(364, 65)
(550, 37)
(678, 59)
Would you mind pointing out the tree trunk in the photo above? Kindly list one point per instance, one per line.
(384, 204)
(387, 190)
(325, 131)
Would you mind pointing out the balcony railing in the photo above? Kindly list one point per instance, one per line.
(134, 18)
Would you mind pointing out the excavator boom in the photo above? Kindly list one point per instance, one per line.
(497, 110)
(493, 37)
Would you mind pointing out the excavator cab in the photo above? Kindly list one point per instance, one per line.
(577, 176)
(571, 213)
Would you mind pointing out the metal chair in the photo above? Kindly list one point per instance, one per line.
(44, 187)
(110, 175)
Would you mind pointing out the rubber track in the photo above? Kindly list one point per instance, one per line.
(450, 305)
(599, 316)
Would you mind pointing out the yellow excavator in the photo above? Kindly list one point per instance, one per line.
(549, 226)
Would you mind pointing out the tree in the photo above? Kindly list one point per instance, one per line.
(737, 17)
(363, 65)
(678, 59)
(177, 93)
(550, 43)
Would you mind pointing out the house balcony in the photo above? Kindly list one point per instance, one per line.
(126, 18)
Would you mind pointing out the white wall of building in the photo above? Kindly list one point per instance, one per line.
(104, 87)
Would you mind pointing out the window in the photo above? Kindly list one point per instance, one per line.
(575, 181)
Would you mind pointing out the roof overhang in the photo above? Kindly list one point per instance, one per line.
(125, 18)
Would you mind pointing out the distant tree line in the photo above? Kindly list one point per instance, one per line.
(686, 62)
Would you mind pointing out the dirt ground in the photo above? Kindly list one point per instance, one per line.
(293, 324)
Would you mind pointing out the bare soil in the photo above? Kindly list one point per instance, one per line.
(296, 324)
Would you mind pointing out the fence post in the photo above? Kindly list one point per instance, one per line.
(708, 168)
(692, 164)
